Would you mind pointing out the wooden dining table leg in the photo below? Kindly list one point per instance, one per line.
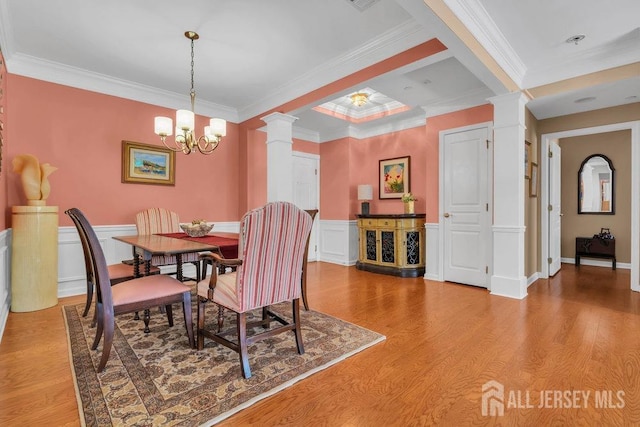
(179, 267)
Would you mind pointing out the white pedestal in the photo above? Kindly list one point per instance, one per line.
(34, 258)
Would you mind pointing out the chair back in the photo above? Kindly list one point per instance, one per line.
(272, 248)
(96, 259)
(157, 220)
(88, 264)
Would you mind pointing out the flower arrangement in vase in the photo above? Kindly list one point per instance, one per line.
(409, 203)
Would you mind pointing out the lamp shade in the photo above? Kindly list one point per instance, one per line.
(365, 192)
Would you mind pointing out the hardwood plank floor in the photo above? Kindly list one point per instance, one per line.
(575, 332)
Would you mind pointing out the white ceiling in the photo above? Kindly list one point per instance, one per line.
(254, 55)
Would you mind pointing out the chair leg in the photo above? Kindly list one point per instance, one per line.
(99, 326)
(297, 330)
(108, 342)
(188, 321)
(304, 291)
(197, 264)
(200, 321)
(169, 311)
(242, 345)
(220, 318)
(87, 305)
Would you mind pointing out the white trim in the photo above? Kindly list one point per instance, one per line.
(489, 247)
(338, 242)
(478, 21)
(596, 263)
(634, 126)
(531, 279)
(433, 235)
(5, 278)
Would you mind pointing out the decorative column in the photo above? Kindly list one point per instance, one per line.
(279, 157)
(34, 257)
(508, 277)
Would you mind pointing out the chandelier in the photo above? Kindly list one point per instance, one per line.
(185, 139)
(359, 99)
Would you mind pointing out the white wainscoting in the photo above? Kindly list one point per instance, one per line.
(338, 242)
(432, 237)
(5, 278)
(338, 245)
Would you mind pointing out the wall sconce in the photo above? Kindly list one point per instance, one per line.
(365, 192)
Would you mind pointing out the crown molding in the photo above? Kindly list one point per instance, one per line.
(361, 132)
(469, 99)
(55, 72)
(475, 17)
(404, 36)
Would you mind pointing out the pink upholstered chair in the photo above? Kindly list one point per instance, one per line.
(130, 296)
(160, 221)
(117, 272)
(271, 250)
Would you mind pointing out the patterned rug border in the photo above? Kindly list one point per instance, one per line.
(226, 414)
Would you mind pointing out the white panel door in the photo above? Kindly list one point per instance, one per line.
(465, 208)
(555, 214)
(305, 192)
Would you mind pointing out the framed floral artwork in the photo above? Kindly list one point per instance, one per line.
(394, 177)
(148, 164)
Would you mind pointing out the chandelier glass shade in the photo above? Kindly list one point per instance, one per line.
(359, 99)
(185, 139)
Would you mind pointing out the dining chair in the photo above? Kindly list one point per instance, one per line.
(312, 213)
(271, 250)
(118, 273)
(130, 296)
(161, 221)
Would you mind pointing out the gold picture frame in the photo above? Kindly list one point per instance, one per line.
(147, 164)
(394, 177)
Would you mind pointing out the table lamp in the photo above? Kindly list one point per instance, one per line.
(365, 192)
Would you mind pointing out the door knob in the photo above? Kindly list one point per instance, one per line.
(447, 215)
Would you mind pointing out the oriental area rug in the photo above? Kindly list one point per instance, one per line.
(155, 379)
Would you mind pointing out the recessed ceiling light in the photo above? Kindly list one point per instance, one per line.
(575, 39)
(427, 81)
(631, 98)
(408, 87)
(586, 99)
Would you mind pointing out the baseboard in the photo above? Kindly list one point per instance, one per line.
(531, 279)
(596, 263)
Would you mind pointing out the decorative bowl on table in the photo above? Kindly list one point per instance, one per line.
(197, 228)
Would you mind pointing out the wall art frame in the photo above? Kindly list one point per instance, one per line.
(147, 164)
(394, 177)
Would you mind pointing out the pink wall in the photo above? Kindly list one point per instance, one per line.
(80, 132)
(348, 162)
(335, 179)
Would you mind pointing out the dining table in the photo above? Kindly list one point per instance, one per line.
(176, 244)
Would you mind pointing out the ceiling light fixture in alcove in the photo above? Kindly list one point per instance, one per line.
(359, 98)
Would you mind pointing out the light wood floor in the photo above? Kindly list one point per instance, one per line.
(575, 332)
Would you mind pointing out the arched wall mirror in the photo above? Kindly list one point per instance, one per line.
(596, 186)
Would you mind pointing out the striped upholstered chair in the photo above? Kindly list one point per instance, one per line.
(160, 221)
(271, 250)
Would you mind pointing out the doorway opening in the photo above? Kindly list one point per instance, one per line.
(545, 223)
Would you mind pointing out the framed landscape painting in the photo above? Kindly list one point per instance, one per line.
(147, 164)
(394, 177)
